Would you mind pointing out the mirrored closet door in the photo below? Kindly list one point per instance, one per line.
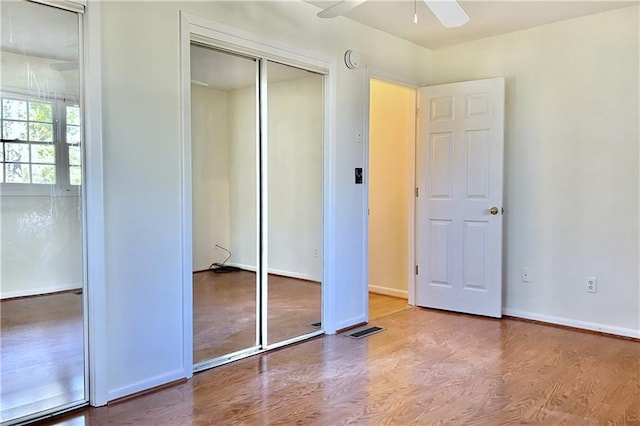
(224, 151)
(256, 167)
(43, 363)
(294, 194)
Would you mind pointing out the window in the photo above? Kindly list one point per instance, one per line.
(73, 137)
(41, 143)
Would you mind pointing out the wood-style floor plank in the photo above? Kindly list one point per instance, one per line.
(42, 356)
(428, 368)
(381, 305)
(293, 305)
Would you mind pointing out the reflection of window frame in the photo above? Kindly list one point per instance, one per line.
(63, 185)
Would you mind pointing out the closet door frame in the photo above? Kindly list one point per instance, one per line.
(224, 37)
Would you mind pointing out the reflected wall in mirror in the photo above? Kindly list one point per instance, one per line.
(294, 192)
(41, 210)
(224, 189)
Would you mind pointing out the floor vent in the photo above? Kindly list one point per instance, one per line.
(365, 332)
(316, 324)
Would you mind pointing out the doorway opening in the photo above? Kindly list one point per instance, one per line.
(457, 172)
(391, 182)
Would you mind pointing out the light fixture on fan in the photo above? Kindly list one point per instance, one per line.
(448, 12)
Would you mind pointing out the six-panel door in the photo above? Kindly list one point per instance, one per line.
(459, 172)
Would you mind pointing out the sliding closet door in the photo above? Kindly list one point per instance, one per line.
(42, 367)
(293, 235)
(225, 193)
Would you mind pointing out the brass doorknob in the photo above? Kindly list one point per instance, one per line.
(493, 210)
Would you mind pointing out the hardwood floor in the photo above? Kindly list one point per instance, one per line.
(429, 367)
(42, 361)
(42, 348)
(381, 305)
(224, 311)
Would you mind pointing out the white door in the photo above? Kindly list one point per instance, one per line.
(459, 204)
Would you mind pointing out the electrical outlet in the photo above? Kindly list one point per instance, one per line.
(526, 275)
(315, 253)
(592, 284)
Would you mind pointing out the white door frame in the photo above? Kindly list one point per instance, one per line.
(373, 73)
(96, 304)
(215, 34)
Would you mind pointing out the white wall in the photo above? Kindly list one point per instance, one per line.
(571, 164)
(224, 186)
(392, 131)
(141, 116)
(41, 244)
(242, 104)
(210, 174)
(295, 110)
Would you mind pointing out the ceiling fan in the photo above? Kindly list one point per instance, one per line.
(448, 12)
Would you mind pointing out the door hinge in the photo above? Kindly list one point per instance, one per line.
(417, 192)
(418, 113)
(416, 269)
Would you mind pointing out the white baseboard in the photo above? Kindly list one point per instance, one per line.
(603, 328)
(360, 319)
(144, 385)
(39, 290)
(279, 272)
(403, 294)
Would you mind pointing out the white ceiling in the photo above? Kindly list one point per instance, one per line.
(224, 71)
(35, 30)
(19, 19)
(487, 18)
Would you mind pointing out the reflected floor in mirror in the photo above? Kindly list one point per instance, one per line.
(42, 367)
(428, 367)
(224, 311)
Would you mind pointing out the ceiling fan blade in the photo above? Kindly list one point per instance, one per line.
(339, 8)
(448, 12)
